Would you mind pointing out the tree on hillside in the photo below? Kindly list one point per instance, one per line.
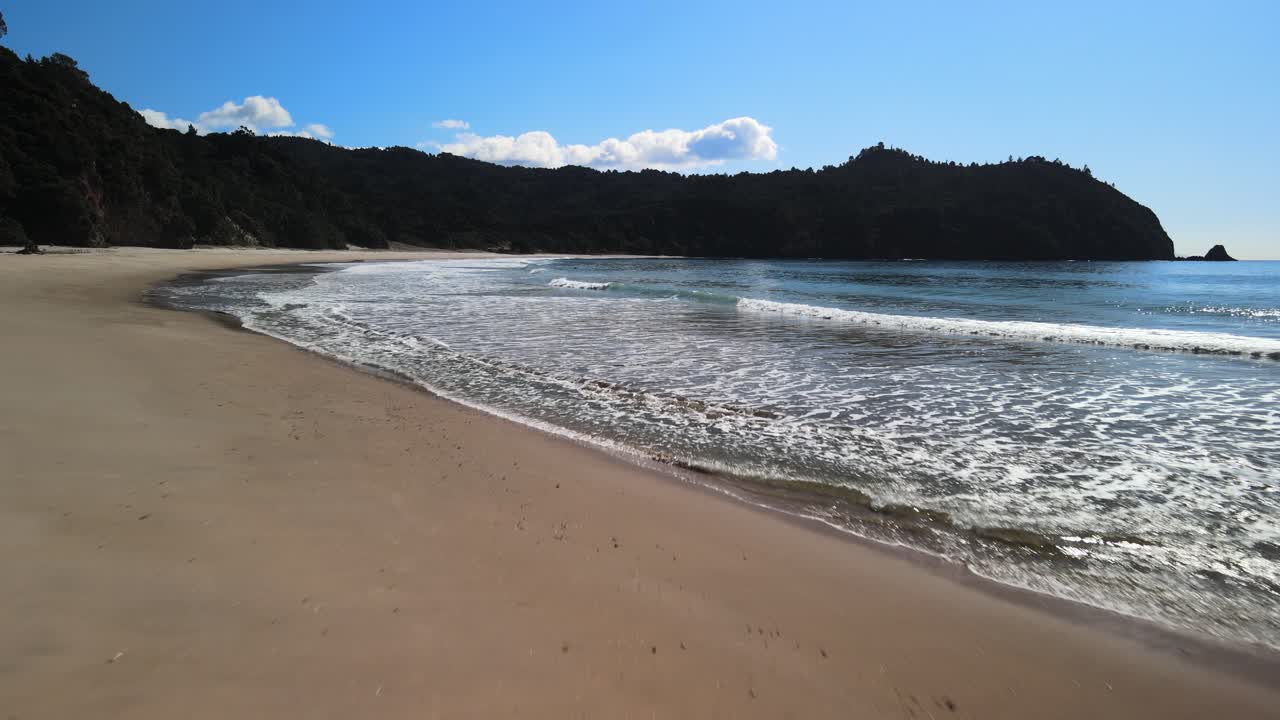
(65, 62)
(4, 29)
(79, 167)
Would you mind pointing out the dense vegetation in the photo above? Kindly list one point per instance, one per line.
(78, 167)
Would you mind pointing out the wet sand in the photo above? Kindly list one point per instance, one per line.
(203, 522)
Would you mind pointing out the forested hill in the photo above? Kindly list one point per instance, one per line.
(78, 167)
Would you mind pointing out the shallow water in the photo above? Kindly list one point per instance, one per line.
(1105, 432)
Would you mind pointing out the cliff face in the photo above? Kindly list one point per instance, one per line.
(77, 167)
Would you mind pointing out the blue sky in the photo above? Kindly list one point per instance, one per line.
(1176, 103)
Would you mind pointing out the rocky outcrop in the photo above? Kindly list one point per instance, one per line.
(1217, 253)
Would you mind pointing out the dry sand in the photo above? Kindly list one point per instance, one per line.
(199, 522)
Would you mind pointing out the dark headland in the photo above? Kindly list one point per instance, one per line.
(77, 167)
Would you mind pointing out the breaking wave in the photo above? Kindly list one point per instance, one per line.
(1138, 338)
(578, 284)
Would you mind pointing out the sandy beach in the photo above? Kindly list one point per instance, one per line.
(197, 521)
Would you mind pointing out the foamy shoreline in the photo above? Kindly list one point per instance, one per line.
(232, 526)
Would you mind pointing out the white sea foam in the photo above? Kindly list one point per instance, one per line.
(1141, 338)
(449, 266)
(246, 277)
(578, 284)
(1072, 454)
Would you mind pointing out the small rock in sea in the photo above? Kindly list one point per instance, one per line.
(1217, 252)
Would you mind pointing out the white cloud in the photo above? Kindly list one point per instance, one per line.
(452, 124)
(155, 118)
(741, 138)
(257, 113)
(314, 131)
(318, 130)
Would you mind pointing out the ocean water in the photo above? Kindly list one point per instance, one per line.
(1103, 432)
